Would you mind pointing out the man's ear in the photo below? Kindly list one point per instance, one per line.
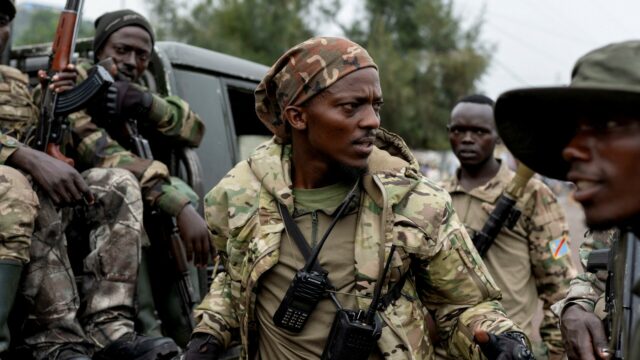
(296, 118)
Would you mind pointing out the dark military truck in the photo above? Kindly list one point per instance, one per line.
(220, 89)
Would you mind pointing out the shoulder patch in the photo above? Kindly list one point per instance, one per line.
(559, 247)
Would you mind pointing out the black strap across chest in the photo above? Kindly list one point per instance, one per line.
(310, 255)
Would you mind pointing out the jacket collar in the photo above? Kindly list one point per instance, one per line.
(489, 192)
(271, 163)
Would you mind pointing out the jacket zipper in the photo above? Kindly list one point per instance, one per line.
(383, 224)
(314, 228)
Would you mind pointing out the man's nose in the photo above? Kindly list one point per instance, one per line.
(578, 148)
(129, 59)
(467, 137)
(371, 119)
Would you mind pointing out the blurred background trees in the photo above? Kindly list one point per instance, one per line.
(36, 24)
(427, 58)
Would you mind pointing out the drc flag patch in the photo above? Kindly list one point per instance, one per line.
(559, 247)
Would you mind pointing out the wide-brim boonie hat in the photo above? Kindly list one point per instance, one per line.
(537, 123)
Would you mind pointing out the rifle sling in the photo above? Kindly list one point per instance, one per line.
(294, 231)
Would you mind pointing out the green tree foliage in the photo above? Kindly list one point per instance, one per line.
(36, 25)
(426, 59)
(259, 30)
(426, 62)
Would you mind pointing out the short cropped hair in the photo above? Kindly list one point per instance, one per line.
(476, 99)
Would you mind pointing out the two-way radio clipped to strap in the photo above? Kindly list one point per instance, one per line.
(310, 284)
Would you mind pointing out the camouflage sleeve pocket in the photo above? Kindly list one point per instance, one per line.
(412, 238)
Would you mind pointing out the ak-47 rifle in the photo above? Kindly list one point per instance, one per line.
(140, 147)
(55, 107)
(505, 212)
(622, 294)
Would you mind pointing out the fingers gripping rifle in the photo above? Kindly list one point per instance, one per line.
(505, 212)
(55, 107)
(141, 147)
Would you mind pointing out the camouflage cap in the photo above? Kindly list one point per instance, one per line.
(302, 72)
(537, 123)
(8, 7)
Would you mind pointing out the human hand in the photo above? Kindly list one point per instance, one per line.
(61, 182)
(60, 82)
(506, 346)
(195, 236)
(202, 347)
(131, 100)
(583, 334)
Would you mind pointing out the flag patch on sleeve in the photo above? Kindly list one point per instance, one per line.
(559, 247)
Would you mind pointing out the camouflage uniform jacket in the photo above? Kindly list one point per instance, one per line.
(398, 206)
(530, 260)
(92, 146)
(587, 289)
(17, 111)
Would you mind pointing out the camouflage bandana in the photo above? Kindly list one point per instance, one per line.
(303, 72)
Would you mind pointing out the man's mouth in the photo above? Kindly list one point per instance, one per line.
(467, 153)
(364, 144)
(586, 188)
(125, 76)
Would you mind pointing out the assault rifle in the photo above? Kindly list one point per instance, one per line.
(140, 147)
(622, 294)
(55, 107)
(505, 212)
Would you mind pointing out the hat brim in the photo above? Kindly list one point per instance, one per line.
(536, 124)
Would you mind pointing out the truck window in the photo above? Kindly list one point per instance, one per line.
(204, 93)
(250, 132)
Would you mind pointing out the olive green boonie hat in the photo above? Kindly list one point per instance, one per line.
(537, 123)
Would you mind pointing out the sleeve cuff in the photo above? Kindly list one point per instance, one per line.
(172, 202)
(159, 107)
(8, 146)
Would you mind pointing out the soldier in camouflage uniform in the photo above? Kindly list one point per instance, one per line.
(587, 133)
(127, 38)
(530, 260)
(104, 202)
(321, 100)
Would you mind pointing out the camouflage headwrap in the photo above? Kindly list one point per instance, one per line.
(302, 72)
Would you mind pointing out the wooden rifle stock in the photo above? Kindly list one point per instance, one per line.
(61, 54)
(64, 41)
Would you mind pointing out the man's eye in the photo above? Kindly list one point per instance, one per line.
(377, 105)
(4, 20)
(349, 106)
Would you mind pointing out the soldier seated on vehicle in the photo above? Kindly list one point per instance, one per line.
(127, 38)
(42, 197)
(330, 157)
(587, 133)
